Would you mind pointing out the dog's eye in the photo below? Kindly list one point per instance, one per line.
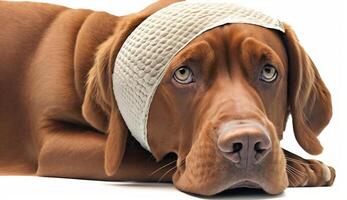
(268, 73)
(183, 75)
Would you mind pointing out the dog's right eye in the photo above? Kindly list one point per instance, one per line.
(183, 75)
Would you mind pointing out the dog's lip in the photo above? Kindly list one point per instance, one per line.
(246, 183)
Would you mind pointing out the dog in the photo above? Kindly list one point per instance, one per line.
(215, 121)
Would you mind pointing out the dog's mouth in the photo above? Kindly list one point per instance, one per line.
(246, 183)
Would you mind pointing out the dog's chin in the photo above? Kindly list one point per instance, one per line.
(246, 184)
(270, 188)
(273, 187)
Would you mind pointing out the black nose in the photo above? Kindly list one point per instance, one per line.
(244, 145)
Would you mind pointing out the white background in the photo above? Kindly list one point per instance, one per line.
(320, 25)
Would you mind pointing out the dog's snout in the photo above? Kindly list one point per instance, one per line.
(244, 145)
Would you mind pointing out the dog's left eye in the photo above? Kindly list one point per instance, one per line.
(268, 73)
(183, 75)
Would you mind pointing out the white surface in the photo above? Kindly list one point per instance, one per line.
(57, 188)
(321, 27)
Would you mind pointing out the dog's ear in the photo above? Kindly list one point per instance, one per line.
(309, 99)
(99, 107)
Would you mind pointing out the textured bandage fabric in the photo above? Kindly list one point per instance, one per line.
(145, 55)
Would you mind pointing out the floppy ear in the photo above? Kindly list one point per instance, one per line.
(309, 99)
(99, 107)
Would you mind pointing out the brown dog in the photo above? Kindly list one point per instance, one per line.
(220, 130)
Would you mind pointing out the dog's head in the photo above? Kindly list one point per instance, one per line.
(226, 98)
(222, 106)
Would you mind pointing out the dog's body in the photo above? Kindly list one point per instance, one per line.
(56, 102)
(32, 36)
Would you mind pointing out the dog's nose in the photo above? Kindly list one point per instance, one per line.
(244, 146)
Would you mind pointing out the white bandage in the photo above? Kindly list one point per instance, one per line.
(145, 55)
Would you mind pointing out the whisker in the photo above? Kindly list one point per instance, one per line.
(175, 167)
(166, 173)
(162, 167)
(293, 175)
(297, 171)
(293, 170)
(289, 173)
(298, 161)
